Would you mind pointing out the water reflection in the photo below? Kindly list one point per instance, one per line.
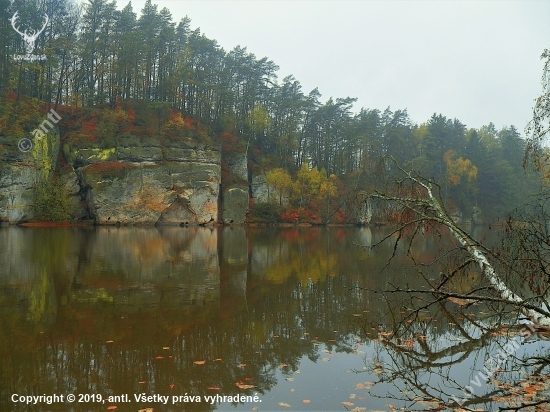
(288, 314)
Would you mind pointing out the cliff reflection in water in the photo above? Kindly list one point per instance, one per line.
(134, 310)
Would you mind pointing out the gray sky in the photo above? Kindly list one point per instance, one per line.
(478, 61)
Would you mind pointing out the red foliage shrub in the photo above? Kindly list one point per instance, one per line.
(340, 216)
(231, 143)
(290, 216)
(300, 215)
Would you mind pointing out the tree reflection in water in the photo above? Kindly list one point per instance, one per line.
(437, 350)
(204, 311)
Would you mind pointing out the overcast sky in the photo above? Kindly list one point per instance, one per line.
(477, 61)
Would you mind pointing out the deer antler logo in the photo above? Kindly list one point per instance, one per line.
(29, 36)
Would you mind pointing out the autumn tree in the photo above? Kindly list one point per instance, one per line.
(281, 181)
(510, 277)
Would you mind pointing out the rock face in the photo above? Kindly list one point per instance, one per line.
(137, 182)
(178, 184)
(235, 204)
(22, 171)
(235, 194)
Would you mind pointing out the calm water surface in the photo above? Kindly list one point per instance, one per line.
(288, 315)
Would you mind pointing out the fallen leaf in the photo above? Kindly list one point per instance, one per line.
(109, 341)
(241, 365)
(159, 357)
(142, 382)
(112, 408)
(289, 379)
(325, 359)
(461, 302)
(286, 405)
(146, 410)
(347, 403)
(217, 360)
(172, 386)
(199, 362)
(242, 385)
(166, 347)
(292, 390)
(283, 365)
(213, 388)
(432, 404)
(306, 401)
(364, 385)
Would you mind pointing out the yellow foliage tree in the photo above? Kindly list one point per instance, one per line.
(281, 181)
(460, 168)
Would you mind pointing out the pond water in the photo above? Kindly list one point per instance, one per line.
(288, 318)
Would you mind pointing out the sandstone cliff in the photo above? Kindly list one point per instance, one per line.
(115, 169)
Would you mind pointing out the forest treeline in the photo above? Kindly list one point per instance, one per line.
(102, 56)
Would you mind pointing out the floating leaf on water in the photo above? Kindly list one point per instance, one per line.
(292, 390)
(109, 341)
(112, 408)
(325, 359)
(242, 385)
(306, 401)
(172, 386)
(146, 410)
(283, 365)
(199, 362)
(347, 403)
(213, 388)
(217, 360)
(166, 347)
(364, 385)
(159, 357)
(289, 379)
(284, 404)
(432, 404)
(461, 302)
(241, 365)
